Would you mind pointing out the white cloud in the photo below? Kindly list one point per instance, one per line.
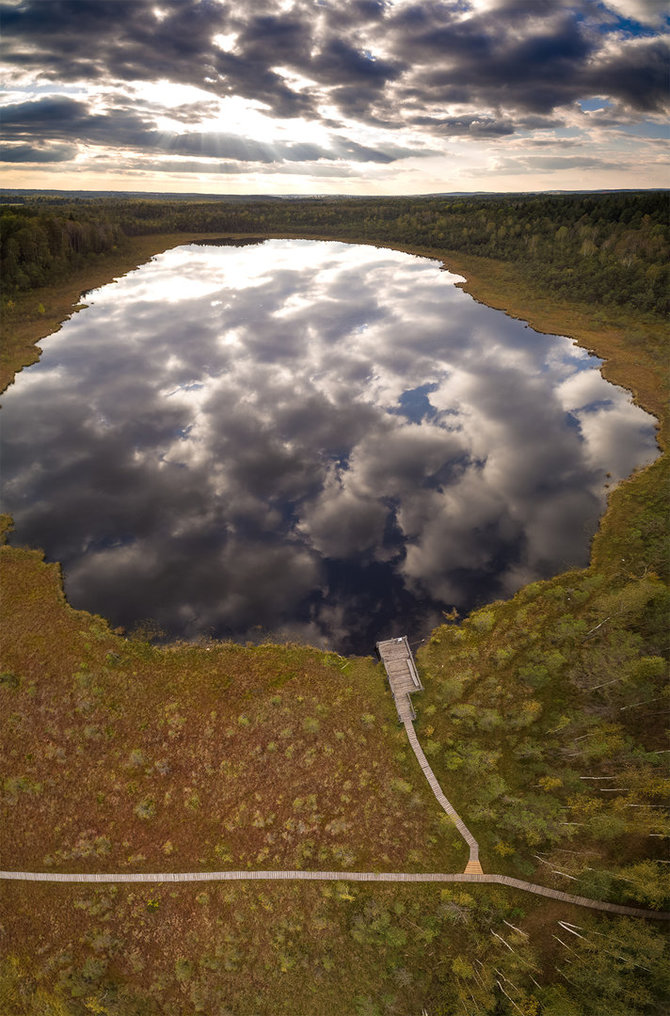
(646, 12)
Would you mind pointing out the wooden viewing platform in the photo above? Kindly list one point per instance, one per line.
(404, 680)
(403, 676)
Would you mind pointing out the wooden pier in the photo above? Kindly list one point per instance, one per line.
(401, 671)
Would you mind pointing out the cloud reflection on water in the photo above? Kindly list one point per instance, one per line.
(328, 441)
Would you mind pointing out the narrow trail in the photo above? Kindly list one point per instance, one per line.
(333, 876)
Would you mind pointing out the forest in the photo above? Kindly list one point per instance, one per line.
(609, 249)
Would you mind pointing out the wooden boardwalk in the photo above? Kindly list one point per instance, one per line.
(401, 671)
(404, 680)
(333, 876)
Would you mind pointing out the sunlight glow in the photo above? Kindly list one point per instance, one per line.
(169, 93)
(241, 116)
(226, 41)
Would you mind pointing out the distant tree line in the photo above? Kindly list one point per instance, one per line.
(604, 248)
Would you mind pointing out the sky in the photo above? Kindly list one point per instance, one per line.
(334, 96)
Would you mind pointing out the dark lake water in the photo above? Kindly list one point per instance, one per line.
(307, 440)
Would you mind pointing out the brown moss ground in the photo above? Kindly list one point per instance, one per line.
(190, 757)
(274, 950)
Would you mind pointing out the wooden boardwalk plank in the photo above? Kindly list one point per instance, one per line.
(334, 876)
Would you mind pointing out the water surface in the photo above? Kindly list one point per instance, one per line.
(307, 440)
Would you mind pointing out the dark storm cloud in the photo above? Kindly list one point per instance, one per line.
(70, 119)
(469, 126)
(639, 76)
(311, 169)
(125, 41)
(28, 153)
(485, 60)
(340, 61)
(375, 61)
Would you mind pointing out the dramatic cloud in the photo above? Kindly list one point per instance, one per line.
(29, 153)
(66, 118)
(417, 83)
(536, 163)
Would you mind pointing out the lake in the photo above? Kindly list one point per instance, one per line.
(307, 440)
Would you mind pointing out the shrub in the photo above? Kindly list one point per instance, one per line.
(146, 809)
(183, 969)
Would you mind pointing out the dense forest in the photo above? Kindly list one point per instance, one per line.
(606, 249)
